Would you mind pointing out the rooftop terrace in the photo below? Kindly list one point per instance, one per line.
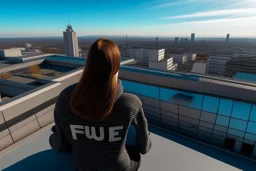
(18, 78)
(169, 152)
(216, 115)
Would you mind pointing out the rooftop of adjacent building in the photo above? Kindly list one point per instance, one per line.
(245, 76)
(28, 75)
(199, 67)
(172, 150)
(17, 55)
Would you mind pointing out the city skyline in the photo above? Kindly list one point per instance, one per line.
(144, 18)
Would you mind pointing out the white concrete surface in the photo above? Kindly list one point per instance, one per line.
(199, 67)
(165, 155)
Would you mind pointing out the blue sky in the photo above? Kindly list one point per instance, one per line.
(207, 18)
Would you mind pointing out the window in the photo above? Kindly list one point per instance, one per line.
(229, 143)
(238, 124)
(225, 107)
(210, 104)
(247, 149)
(222, 120)
(253, 113)
(251, 128)
(241, 110)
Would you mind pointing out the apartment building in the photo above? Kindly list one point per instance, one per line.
(144, 56)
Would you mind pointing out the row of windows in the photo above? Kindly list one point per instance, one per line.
(226, 107)
(232, 133)
(192, 127)
(221, 135)
(216, 66)
(210, 128)
(215, 63)
(169, 63)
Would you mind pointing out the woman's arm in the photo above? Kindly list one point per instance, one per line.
(58, 140)
(143, 135)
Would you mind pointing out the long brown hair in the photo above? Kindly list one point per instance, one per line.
(94, 96)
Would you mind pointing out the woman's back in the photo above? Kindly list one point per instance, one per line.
(101, 145)
(92, 117)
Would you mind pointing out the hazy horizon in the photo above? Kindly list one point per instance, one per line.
(130, 36)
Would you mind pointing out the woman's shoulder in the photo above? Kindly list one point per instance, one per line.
(130, 100)
(63, 100)
(68, 90)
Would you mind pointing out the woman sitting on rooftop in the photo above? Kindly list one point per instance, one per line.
(93, 117)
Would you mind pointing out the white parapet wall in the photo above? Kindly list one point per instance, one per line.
(24, 114)
(13, 52)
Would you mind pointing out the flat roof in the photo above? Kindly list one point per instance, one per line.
(199, 67)
(67, 58)
(31, 75)
(21, 79)
(245, 76)
(31, 55)
(3, 65)
(26, 54)
(169, 152)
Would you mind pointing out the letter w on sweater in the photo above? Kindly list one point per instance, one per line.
(90, 132)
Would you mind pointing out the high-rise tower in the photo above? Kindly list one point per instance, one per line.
(227, 38)
(156, 42)
(70, 42)
(192, 37)
(176, 39)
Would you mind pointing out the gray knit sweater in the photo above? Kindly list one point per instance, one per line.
(100, 146)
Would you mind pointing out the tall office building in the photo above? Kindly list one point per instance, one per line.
(176, 40)
(227, 38)
(192, 37)
(70, 42)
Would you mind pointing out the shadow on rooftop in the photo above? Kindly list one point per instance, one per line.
(46, 160)
(50, 160)
(233, 160)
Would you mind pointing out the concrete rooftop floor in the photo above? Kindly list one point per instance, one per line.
(169, 152)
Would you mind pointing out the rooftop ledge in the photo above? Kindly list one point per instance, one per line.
(172, 94)
(169, 152)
